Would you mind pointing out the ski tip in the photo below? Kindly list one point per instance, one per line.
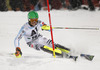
(88, 57)
(91, 58)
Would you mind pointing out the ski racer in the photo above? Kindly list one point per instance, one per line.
(34, 39)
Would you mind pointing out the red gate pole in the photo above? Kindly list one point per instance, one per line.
(51, 29)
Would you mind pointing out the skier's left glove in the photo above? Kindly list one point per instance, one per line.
(18, 52)
(45, 27)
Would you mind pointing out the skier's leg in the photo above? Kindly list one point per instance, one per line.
(47, 42)
(40, 44)
(62, 48)
(46, 45)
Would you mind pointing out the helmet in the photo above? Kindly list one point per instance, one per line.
(32, 15)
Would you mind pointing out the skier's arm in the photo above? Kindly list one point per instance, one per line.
(18, 52)
(45, 27)
(18, 37)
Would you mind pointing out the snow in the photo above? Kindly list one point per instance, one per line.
(80, 41)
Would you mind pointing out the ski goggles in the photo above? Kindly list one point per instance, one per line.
(32, 20)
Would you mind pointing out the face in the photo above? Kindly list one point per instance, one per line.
(33, 22)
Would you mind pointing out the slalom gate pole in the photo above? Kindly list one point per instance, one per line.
(51, 29)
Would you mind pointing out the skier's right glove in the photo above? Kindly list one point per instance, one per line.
(18, 52)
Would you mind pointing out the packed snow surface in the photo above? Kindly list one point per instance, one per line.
(79, 40)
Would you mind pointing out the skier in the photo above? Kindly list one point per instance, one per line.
(35, 40)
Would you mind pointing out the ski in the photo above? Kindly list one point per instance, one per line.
(87, 56)
(65, 55)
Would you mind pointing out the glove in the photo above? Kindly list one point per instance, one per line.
(45, 27)
(18, 52)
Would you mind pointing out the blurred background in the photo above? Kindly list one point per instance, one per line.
(36, 5)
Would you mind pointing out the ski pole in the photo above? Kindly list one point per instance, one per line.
(48, 28)
(75, 28)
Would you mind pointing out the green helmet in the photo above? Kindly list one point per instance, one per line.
(32, 15)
